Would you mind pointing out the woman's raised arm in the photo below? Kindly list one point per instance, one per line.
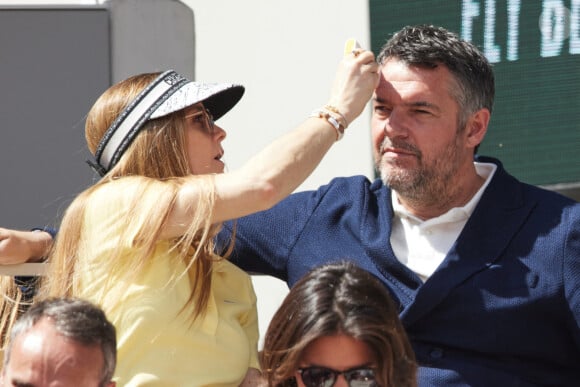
(283, 165)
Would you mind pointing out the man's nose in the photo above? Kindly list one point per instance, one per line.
(396, 125)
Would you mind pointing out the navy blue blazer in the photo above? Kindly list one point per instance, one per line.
(503, 309)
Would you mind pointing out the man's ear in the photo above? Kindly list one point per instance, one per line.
(476, 127)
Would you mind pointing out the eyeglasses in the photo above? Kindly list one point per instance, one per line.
(326, 377)
(204, 118)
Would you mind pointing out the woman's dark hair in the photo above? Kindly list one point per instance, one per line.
(338, 298)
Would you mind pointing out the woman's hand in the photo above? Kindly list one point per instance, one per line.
(356, 79)
(277, 170)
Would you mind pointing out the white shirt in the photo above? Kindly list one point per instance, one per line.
(422, 245)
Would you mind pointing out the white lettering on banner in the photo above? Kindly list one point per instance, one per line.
(469, 11)
(553, 27)
(575, 27)
(513, 36)
(491, 50)
(556, 23)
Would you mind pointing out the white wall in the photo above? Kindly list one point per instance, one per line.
(285, 53)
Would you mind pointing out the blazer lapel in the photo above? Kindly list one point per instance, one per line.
(402, 282)
(478, 246)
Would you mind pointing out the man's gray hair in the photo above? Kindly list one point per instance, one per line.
(430, 46)
(76, 319)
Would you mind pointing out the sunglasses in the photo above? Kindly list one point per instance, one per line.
(326, 377)
(204, 118)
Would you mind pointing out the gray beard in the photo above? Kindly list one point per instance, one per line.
(424, 184)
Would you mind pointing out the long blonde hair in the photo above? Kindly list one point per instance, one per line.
(12, 304)
(157, 152)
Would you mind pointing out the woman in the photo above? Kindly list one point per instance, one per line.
(139, 243)
(338, 325)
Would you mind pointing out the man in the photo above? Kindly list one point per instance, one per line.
(64, 342)
(485, 268)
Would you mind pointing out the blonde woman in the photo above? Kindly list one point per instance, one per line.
(139, 243)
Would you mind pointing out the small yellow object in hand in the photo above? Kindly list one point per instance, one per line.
(351, 46)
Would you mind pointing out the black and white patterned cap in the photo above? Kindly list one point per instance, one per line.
(168, 93)
(218, 98)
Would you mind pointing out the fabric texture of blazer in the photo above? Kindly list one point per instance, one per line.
(503, 308)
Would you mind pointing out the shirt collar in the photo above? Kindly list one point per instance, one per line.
(485, 170)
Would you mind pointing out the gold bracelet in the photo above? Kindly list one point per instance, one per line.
(320, 113)
(335, 110)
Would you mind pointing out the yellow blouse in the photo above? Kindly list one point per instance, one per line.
(157, 343)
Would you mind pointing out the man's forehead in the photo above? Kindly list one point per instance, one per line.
(34, 338)
(41, 353)
(403, 81)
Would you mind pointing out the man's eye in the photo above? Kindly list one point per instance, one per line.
(382, 110)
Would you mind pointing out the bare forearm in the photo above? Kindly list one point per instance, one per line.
(284, 164)
(274, 172)
(23, 246)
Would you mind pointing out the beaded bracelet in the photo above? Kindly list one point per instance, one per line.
(321, 113)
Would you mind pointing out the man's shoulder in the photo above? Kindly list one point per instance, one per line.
(356, 183)
(549, 196)
(352, 192)
(504, 184)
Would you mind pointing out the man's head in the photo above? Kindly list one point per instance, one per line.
(64, 341)
(428, 47)
(430, 112)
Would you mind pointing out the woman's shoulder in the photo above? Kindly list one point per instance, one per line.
(231, 275)
(224, 266)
